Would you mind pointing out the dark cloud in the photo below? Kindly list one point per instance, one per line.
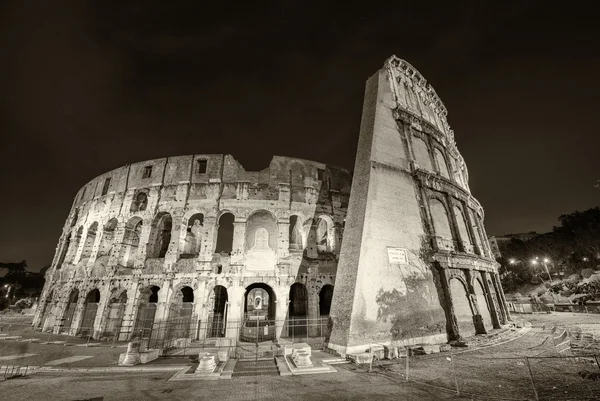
(92, 85)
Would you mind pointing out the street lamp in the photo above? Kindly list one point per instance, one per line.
(545, 263)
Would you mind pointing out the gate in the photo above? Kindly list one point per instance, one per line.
(68, 320)
(89, 315)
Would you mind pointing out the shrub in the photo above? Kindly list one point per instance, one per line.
(24, 303)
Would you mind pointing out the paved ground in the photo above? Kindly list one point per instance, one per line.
(344, 385)
(495, 372)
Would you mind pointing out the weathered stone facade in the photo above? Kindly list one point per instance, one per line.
(198, 238)
(192, 236)
(415, 265)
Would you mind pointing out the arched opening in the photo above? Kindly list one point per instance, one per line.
(75, 245)
(70, 311)
(484, 307)
(89, 313)
(441, 162)
(297, 310)
(114, 316)
(462, 308)
(63, 252)
(139, 203)
(218, 316)
(90, 238)
(225, 234)
(259, 313)
(146, 312)
(421, 151)
(160, 236)
(462, 230)
(323, 235)
(325, 296)
(441, 224)
(180, 313)
(295, 234)
(108, 236)
(131, 241)
(193, 236)
(46, 315)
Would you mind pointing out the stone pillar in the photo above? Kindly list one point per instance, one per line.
(116, 250)
(96, 245)
(140, 257)
(80, 246)
(451, 321)
(492, 301)
(313, 312)
(235, 310)
(78, 315)
(283, 242)
(98, 320)
(500, 290)
(129, 313)
(174, 244)
(477, 318)
(209, 239)
(239, 234)
(281, 309)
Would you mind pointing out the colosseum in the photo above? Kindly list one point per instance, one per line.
(191, 248)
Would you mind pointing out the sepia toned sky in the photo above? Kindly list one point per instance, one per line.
(88, 86)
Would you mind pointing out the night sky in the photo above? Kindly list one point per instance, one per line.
(91, 86)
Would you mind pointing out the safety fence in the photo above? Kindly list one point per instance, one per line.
(183, 336)
(518, 378)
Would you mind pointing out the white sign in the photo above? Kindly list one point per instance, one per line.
(397, 256)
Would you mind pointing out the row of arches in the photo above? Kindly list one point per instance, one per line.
(467, 235)
(259, 301)
(261, 232)
(436, 160)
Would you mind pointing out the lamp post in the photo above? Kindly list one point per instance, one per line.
(8, 288)
(545, 263)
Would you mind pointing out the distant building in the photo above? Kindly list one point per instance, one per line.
(498, 243)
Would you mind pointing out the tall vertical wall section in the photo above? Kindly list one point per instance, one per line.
(396, 265)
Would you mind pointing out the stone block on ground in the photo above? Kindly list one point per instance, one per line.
(390, 352)
(445, 347)
(361, 358)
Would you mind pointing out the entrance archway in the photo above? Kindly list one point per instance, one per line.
(218, 316)
(70, 311)
(146, 312)
(325, 296)
(114, 316)
(89, 312)
(297, 310)
(259, 313)
(462, 308)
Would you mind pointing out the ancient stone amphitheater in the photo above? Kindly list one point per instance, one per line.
(195, 247)
(197, 238)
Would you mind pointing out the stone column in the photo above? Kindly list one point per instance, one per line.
(78, 315)
(140, 256)
(451, 321)
(313, 312)
(209, 239)
(80, 246)
(239, 234)
(492, 301)
(116, 250)
(500, 290)
(283, 242)
(235, 310)
(454, 224)
(174, 244)
(281, 309)
(129, 313)
(477, 318)
(96, 245)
